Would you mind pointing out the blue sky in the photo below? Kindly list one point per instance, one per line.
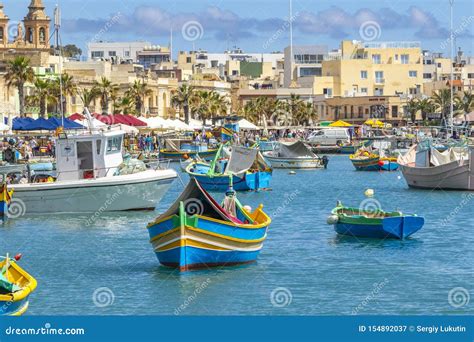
(259, 25)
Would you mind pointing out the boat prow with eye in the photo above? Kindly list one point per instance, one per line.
(16, 285)
(197, 232)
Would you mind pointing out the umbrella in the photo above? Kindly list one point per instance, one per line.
(340, 123)
(374, 123)
(245, 124)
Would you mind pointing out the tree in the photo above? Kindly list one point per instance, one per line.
(442, 102)
(139, 91)
(181, 99)
(65, 86)
(69, 50)
(425, 106)
(18, 73)
(465, 103)
(105, 88)
(412, 109)
(44, 93)
(88, 95)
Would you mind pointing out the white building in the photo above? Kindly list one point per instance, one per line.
(307, 61)
(116, 51)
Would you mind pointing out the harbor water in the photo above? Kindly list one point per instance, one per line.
(104, 264)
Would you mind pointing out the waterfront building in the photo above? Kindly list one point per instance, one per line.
(116, 51)
(307, 62)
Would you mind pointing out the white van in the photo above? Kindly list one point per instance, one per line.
(329, 136)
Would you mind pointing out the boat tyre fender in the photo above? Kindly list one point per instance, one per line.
(332, 219)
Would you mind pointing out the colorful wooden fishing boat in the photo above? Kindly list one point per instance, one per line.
(366, 160)
(176, 149)
(197, 232)
(16, 285)
(5, 200)
(374, 223)
(247, 168)
(294, 155)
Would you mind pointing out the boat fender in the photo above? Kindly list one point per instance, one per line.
(332, 219)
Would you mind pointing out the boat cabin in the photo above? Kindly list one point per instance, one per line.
(89, 155)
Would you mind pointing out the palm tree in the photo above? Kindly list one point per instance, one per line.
(465, 103)
(294, 106)
(425, 106)
(412, 109)
(66, 87)
(306, 114)
(88, 95)
(125, 105)
(442, 101)
(181, 99)
(139, 91)
(105, 89)
(18, 73)
(44, 93)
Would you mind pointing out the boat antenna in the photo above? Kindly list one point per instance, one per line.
(451, 88)
(89, 119)
(291, 40)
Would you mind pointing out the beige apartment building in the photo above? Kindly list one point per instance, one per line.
(370, 69)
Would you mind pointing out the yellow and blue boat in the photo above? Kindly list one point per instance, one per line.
(246, 166)
(365, 160)
(177, 149)
(197, 232)
(16, 285)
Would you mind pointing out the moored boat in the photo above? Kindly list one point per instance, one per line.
(246, 166)
(16, 285)
(366, 160)
(424, 167)
(197, 232)
(294, 155)
(178, 149)
(374, 223)
(91, 175)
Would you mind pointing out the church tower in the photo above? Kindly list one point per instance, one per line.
(3, 28)
(37, 26)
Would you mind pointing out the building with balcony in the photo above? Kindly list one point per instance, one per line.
(116, 52)
(307, 62)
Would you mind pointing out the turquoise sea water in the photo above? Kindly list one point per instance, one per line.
(304, 268)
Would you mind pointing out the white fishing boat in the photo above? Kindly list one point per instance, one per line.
(426, 168)
(92, 176)
(294, 155)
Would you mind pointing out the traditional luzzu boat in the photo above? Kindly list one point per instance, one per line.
(16, 285)
(353, 147)
(294, 155)
(374, 223)
(5, 200)
(366, 160)
(246, 166)
(178, 149)
(197, 232)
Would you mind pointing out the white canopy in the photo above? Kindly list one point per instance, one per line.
(85, 123)
(245, 124)
(180, 125)
(4, 127)
(128, 129)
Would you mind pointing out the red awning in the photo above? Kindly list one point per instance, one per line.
(76, 116)
(128, 120)
(133, 121)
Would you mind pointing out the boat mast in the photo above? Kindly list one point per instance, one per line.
(57, 26)
(451, 88)
(291, 40)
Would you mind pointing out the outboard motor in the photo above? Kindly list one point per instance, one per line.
(325, 161)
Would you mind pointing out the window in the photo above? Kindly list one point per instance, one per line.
(97, 54)
(1, 34)
(394, 111)
(126, 53)
(361, 111)
(413, 91)
(73, 100)
(376, 59)
(378, 92)
(114, 145)
(310, 72)
(439, 65)
(112, 53)
(42, 35)
(396, 56)
(379, 77)
(405, 59)
(327, 92)
(363, 91)
(470, 75)
(98, 145)
(188, 59)
(412, 73)
(363, 74)
(427, 76)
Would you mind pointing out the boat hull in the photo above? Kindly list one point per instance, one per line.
(366, 164)
(390, 227)
(12, 308)
(179, 155)
(450, 176)
(201, 242)
(250, 181)
(294, 163)
(117, 193)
